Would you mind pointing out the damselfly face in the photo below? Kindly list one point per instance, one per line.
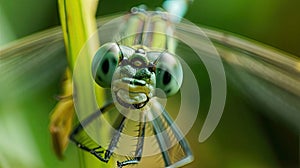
(135, 73)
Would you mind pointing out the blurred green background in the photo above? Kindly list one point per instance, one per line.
(246, 137)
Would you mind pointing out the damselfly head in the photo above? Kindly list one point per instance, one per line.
(134, 75)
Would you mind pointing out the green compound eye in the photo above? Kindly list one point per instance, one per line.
(104, 63)
(169, 74)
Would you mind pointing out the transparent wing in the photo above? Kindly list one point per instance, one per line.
(33, 61)
(269, 78)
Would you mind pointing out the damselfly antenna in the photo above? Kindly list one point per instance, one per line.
(121, 52)
(159, 57)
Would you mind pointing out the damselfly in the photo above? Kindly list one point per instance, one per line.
(259, 71)
(139, 67)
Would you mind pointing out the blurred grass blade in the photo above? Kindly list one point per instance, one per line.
(78, 25)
